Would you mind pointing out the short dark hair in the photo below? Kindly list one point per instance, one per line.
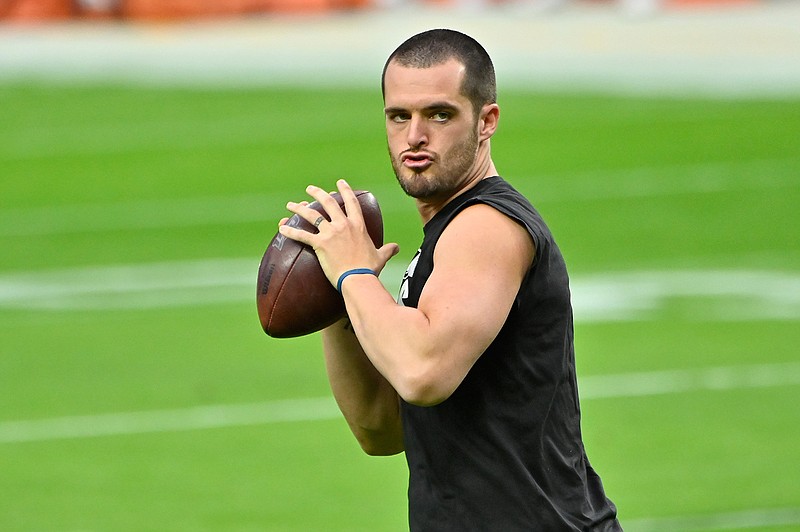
(434, 47)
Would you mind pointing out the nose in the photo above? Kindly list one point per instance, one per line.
(417, 132)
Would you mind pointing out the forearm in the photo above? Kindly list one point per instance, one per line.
(367, 400)
(400, 343)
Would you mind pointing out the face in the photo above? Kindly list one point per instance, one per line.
(431, 129)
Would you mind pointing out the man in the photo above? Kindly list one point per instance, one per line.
(473, 373)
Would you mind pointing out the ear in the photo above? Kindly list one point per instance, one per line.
(488, 120)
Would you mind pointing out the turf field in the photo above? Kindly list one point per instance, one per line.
(137, 392)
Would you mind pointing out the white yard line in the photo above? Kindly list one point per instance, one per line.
(757, 519)
(154, 421)
(323, 408)
(719, 295)
(718, 378)
(132, 286)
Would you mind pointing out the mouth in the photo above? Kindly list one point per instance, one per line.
(417, 161)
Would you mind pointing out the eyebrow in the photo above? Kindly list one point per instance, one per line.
(436, 106)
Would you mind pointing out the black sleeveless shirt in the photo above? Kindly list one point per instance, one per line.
(504, 452)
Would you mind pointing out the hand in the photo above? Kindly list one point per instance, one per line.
(343, 242)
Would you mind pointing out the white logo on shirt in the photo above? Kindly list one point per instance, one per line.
(406, 276)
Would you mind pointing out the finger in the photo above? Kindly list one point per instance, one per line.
(296, 234)
(351, 204)
(330, 205)
(291, 204)
(312, 216)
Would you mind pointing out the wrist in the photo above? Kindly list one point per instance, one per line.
(354, 271)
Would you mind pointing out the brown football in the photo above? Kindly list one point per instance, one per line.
(294, 298)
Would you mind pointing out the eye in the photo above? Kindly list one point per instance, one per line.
(440, 116)
(398, 118)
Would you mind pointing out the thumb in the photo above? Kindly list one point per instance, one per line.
(387, 251)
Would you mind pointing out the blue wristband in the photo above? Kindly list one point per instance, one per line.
(354, 271)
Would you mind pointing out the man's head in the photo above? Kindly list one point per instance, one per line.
(439, 102)
(434, 47)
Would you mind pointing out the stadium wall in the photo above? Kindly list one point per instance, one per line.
(55, 10)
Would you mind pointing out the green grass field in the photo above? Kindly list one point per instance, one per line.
(132, 222)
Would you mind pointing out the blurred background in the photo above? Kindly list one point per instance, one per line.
(147, 150)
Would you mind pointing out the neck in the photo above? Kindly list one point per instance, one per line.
(484, 167)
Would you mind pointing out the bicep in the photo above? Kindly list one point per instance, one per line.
(479, 264)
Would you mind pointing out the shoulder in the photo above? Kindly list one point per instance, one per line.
(483, 235)
(491, 217)
(481, 216)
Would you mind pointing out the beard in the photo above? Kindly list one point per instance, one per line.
(444, 176)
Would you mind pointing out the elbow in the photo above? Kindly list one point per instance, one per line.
(426, 388)
(424, 398)
(380, 444)
(372, 449)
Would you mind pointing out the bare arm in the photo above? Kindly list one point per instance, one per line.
(369, 403)
(425, 352)
(421, 354)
